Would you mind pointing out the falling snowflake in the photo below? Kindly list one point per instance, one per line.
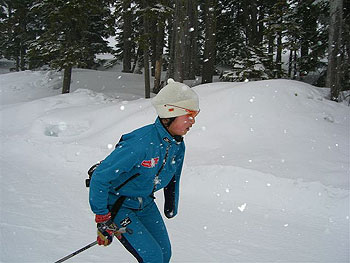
(242, 207)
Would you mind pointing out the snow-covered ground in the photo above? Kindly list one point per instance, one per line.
(266, 174)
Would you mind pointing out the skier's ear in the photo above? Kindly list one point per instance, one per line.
(167, 121)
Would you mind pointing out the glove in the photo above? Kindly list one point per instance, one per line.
(106, 228)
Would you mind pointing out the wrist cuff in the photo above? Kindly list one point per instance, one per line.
(102, 218)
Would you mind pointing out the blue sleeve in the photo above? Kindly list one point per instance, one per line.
(172, 190)
(120, 161)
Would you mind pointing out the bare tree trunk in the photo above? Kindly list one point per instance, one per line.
(171, 41)
(17, 64)
(290, 63)
(136, 61)
(145, 51)
(210, 41)
(295, 65)
(157, 76)
(333, 80)
(187, 35)
(279, 55)
(67, 77)
(245, 14)
(194, 69)
(261, 25)
(304, 46)
(158, 56)
(126, 36)
(147, 75)
(346, 51)
(191, 51)
(271, 45)
(153, 37)
(23, 54)
(254, 23)
(250, 21)
(23, 50)
(179, 35)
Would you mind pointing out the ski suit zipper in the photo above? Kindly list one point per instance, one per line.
(156, 178)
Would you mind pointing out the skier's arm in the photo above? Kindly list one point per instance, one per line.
(171, 191)
(121, 160)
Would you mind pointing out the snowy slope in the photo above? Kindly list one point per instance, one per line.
(266, 175)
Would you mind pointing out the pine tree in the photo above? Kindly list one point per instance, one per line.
(3, 27)
(16, 30)
(74, 33)
(278, 29)
(242, 39)
(230, 40)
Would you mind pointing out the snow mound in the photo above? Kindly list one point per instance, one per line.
(265, 179)
(281, 127)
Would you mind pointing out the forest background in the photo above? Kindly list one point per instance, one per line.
(187, 39)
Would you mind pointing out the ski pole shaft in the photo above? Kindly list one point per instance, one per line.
(76, 252)
(116, 233)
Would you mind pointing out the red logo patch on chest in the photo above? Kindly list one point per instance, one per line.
(150, 163)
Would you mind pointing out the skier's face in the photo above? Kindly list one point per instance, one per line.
(181, 125)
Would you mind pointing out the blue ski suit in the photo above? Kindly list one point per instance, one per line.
(144, 161)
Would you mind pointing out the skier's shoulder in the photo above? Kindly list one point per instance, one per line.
(141, 135)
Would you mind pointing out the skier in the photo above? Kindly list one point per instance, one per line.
(144, 161)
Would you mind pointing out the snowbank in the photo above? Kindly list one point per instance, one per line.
(266, 175)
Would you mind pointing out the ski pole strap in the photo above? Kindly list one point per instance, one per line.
(116, 206)
(76, 252)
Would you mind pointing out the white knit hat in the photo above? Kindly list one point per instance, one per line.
(174, 99)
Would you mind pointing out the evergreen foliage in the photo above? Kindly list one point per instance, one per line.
(74, 31)
(17, 30)
(252, 39)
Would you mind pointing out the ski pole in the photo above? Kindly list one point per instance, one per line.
(116, 233)
(76, 252)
